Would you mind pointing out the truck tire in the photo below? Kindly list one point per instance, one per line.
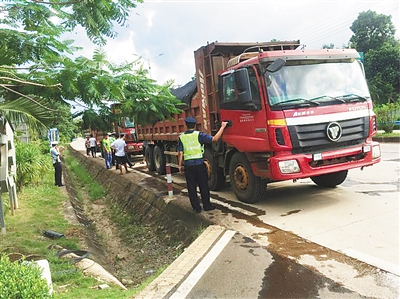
(247, 187)
(330, 180)
(216, 178)
(149, 154)
(159, 160)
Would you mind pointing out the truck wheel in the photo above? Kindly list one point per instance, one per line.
(149, 153)
(330, 180)
(216, 178)
(247, 187)
(159, 160)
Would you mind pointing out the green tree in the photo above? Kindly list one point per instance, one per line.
(382, 68)
(330, 46)
(39, 61)
(96, 17)
(374, 35)
(97, 83)
(31, 51)
(371, 31)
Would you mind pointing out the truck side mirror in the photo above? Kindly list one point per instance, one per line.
(276, 65)
(243, 85)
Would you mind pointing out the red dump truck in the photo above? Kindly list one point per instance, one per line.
(292, 114)
(126, 126)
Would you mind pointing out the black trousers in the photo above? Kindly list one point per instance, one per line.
(128, 161)
(57, 173)
(93, 151)
(197, 176)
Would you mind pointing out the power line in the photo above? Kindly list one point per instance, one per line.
(340, 29)
(315, 34)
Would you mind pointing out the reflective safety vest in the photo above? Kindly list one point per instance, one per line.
(193, 149)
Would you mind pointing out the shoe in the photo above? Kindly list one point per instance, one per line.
(60, 185)
(132, 165)
(210, 208)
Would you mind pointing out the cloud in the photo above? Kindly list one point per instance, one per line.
(178, 28)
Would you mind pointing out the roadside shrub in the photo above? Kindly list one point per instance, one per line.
(31, 163)
(386, 115)
(20, 280)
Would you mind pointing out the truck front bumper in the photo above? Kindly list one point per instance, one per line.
(287, 167)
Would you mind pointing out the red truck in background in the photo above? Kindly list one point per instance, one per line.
(292, 114)
(126, 126)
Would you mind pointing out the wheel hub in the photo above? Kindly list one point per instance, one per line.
(241, 177)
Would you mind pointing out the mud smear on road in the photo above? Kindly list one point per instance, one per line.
(287, 279)
(289, 245)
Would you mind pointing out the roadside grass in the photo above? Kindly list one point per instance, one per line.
(79, 174)
(41, 209)
(385, 135)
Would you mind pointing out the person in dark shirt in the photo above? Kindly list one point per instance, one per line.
(190, 154)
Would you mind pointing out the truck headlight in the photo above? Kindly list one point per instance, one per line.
(289, 166)
(376, 152)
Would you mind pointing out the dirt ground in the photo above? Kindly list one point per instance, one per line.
(130, 251)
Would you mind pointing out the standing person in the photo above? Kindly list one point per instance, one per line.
(55, 155)
(128, 160)
(111, 137)
(93, 144)
(145, 144)
(87, 145)
(106, 146)
(119, 146)
(190, 149)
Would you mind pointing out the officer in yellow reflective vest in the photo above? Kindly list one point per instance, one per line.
(190, 150)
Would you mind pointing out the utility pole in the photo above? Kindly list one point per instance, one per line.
(148, 61)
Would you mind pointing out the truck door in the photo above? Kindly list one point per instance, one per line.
(240, 104)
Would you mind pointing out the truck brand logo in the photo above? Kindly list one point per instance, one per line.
(357, 108)
(303, 113)
(334, 131)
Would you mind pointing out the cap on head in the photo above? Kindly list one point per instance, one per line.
(190, 120)
(54, 142)
(109, 134)
(121, 134)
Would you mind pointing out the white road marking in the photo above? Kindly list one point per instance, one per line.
(186, 286)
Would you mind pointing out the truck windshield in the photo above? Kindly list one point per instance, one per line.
(322, 83)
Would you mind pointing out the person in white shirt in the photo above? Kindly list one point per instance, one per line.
(119, 146)
(93, 145)
(55, 155)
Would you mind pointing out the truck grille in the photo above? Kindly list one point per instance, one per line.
(313, 137)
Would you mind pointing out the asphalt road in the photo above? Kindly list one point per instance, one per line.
(303, 241)
(359, 216)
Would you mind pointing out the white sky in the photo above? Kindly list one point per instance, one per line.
(167, 33)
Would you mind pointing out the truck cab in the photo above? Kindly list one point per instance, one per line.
(292, 114)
